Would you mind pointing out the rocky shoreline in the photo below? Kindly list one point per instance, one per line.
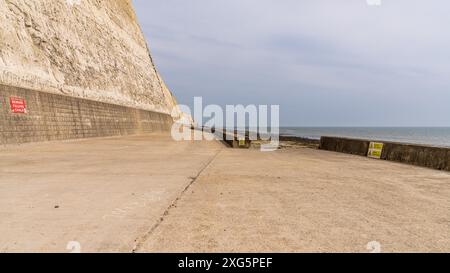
(298, 142)
(290, 142)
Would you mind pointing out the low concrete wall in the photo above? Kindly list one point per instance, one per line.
(425, 156)
(419, 155)
(233, 138)
(57, 117)
(345, 145)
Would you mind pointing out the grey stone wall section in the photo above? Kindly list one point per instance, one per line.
(56, 117)
(420, 155)
(345, 145)
(431, 157)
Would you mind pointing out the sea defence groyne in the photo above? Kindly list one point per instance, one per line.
(419, 155)
(77, 69)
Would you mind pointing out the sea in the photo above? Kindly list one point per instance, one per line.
(433, 136)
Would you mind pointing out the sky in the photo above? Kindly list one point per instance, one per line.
(325, 62)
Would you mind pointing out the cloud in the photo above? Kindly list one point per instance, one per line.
(325, 62)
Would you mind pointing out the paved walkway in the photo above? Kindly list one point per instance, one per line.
(149, 193)
(103, 193)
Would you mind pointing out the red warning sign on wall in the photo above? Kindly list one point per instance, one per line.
(18, 105)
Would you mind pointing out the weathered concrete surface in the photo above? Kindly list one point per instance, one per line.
(420, 155)
(345, 145)
(118, 193)
(109, 191)
(307, 200)
(92, 49)
(57, 117)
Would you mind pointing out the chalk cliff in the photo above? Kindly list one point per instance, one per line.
(92, 49)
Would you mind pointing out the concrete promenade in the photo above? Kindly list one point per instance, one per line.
(150, 194)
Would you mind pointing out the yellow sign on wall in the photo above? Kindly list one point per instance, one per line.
(375, 150)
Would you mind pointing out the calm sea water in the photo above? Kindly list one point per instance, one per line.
(435, 136)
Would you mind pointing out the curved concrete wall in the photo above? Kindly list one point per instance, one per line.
(56, 117)
(77, 69)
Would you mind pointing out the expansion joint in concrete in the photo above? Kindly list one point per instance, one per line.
(142, 239)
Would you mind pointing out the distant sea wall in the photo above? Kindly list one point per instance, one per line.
(32, 116)
(419, 155)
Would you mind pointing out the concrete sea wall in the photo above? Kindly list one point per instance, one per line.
(77, 69)
(419, 155)
(48, 117)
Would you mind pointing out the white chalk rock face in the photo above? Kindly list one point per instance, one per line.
(91, 49)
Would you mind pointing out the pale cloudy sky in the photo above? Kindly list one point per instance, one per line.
(325, 62)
